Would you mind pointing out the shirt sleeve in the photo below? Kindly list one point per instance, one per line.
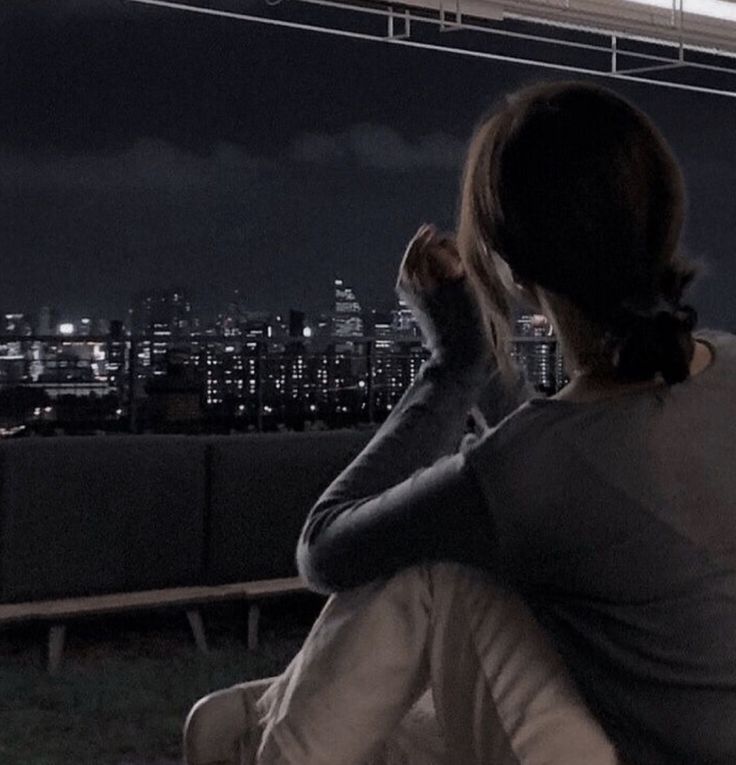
(409, 496)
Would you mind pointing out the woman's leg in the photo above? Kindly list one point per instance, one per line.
(501, 693)
(362, 667)
(300, 714)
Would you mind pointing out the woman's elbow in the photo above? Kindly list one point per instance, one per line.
(322, 569)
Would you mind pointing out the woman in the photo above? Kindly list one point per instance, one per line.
(561, 589)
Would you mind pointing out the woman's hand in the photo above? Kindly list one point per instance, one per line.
(432, 281)
(430, 259)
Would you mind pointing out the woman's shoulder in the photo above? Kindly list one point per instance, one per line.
(517, 436)
(722, 368)
(721, 338)
(544, 415)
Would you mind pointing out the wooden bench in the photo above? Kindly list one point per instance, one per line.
(58, 611)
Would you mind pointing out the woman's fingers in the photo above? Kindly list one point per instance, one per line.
(430, 258)
(444, 259)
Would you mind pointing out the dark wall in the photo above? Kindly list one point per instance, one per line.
(261, 492)
(90, 515)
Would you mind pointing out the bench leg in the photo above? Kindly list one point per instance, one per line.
(254, 614)
(57, 633)
(195, 622)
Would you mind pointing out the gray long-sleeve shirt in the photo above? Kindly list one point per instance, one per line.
(615, 519)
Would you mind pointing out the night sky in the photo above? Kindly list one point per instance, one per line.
(142, 147)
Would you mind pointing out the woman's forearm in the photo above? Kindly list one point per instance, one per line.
(427, 423)
(389, 507)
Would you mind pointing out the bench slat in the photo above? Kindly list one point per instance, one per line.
(128, 601)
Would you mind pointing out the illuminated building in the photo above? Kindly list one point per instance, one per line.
(258, 324)
(16, 324)
(534, 347)
(116, 367)
(230, 322)
(161, 319)
(403, 320)
(347, 319)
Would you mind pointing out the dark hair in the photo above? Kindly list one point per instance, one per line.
(579, 193)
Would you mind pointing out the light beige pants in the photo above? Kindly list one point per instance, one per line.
(436, 665)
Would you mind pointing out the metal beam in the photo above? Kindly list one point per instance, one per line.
(660, 63)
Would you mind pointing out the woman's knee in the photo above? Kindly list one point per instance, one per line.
(418, 578)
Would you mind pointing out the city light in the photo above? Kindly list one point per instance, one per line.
(242, 376)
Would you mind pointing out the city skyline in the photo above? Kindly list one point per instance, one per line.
(164, 370)
(47, 319)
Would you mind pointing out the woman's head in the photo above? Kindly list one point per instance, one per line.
(571, 189)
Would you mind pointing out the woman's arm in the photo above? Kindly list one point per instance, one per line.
(405, 498)
(438, 513)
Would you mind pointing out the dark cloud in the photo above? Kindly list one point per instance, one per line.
(380, 147)
(147, 165)
(92, 229)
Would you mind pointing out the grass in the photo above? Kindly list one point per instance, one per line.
(127, 682)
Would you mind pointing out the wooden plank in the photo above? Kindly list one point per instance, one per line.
(128, 601)
(266, 587)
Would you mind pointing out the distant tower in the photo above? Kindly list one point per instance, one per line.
(403, 320)
(116, 367)
(170, 308)
(347, 320)
(48, 320)
(234, 317)
(534, 347)
(296, 323)
(161, 318)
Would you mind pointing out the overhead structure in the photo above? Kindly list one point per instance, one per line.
(681, 44)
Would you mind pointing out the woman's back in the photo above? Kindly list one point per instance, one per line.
(616, 520)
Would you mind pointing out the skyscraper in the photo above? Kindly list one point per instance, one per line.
(534, 347)
(233, 318)
(48, 321)
(161, 318)
(169, 307)
(404, 322)
(116, 367)
(348, 319)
